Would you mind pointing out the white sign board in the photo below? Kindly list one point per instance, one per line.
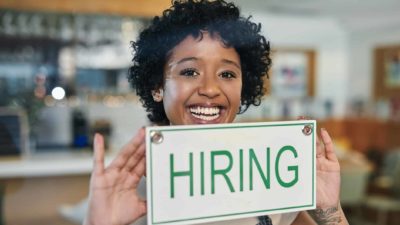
(206, 173)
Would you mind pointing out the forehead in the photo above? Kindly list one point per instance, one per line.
(205, 45)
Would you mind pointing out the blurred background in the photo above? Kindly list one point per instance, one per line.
(63, 69)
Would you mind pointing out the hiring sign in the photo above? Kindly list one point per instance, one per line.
(206, 173)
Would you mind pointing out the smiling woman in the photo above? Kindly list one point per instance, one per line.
(201, 62)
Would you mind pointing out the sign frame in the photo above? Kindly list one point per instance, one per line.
(152, 137)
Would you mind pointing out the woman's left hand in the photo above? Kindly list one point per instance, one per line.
(328, 173)
(328, 209)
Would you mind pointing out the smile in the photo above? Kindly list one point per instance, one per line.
(205, 113)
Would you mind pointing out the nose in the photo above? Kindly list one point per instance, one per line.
(209, 87)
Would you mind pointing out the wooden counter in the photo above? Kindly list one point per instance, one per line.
(35, 187)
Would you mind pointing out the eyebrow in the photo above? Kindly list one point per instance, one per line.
(187, 59)
(227, 61)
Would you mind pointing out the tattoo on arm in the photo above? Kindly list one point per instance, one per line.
(330, 216)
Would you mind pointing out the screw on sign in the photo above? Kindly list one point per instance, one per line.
(307, 130)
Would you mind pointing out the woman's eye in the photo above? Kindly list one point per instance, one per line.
(228, 75)
(190, 72)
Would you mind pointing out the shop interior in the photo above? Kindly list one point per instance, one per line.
(63, 77)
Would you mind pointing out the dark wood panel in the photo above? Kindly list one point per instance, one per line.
(140, 8)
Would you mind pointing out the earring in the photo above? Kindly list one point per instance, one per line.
(158, 95)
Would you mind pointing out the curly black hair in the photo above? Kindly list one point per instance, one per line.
(191, 17)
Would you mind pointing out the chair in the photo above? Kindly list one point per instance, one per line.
(390, 179)
(353, 191)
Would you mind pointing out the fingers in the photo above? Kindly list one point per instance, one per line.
(320, 148)
(128, 150)
(136, 157)
(98, 159)
(329, 148)
(302, 118)
(136, 174)
(142, 208)
(140, 167)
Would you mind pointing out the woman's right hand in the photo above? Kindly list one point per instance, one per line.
(113, 197)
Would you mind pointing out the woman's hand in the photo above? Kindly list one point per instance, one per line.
(113, 198)
(328, 184)
(328, 172)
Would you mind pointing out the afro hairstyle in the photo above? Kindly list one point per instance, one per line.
(191, 17)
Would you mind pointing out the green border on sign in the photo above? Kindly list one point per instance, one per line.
(232, 127)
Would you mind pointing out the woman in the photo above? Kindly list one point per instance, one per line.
(199, 63)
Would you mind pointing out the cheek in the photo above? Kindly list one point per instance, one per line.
(175, 94)
(235, 92)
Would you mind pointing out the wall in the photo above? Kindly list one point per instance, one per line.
(126, 120)
(327, 38)
(361, 49)
(55, 127)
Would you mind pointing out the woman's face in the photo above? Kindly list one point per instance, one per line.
(203, 82)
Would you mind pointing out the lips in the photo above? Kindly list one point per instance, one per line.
(205, 113)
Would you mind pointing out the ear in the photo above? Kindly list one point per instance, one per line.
(158, 95)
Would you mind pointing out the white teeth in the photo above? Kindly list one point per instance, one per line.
(207, 118)
(205, 113)
(205, 110)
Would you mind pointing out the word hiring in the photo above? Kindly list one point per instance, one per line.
(228, 174)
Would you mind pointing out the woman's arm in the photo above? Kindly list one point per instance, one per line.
(329, 216)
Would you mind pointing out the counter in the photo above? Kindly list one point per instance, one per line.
(49, 164)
